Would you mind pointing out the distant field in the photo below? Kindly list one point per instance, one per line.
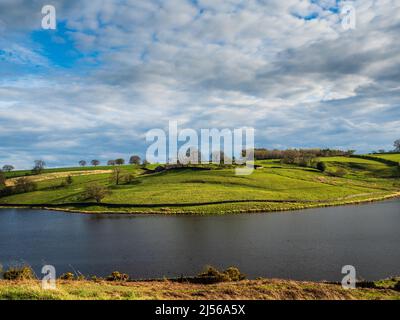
(388, 156)
(273, 187)
(349, 160)
(21, 173)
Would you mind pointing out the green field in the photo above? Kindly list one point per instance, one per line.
(273, 187)
(22, 173)
(388, 156)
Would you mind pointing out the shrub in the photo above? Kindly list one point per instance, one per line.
(6, 191)
(67, 276)
(95, 278)
(117, 276)
(69, 180)
(263, 154)
(24, 184)
(234, 274)
(128, 178)
(321, 166)
(96, 192)
(19, 273)
(213, 275)
(81, 277)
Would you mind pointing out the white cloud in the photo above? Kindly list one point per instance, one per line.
(299, 81)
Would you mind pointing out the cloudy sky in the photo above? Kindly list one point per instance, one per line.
(115, 69)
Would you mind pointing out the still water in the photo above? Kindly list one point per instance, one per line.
(310, 244)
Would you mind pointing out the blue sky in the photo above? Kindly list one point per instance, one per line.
(115, 69)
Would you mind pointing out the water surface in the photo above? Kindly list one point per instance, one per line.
(310, 244)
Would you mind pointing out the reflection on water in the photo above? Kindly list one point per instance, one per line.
(305, 245)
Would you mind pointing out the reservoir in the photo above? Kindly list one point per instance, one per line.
(311, 244)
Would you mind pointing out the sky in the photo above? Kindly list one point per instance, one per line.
(112, 70)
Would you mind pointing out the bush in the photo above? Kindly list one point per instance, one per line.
(263, 154)
(96, 192)
(117, 276)
(321, 166)
(129, 178)
(24, 184)
(213, 275)
(19, 273)
(67, 276)
(81, 277)
(69, 180)
(234, 274)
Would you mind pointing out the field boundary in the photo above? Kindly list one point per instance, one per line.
(372, 158)
(162, 209)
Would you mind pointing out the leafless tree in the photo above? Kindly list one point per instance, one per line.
(24, 184)
(8, 168)
(39, 166)
(396, 145)
(97, 192)
(116, 175)
(82, 163)
(134, 160)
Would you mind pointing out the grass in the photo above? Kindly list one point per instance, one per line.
(261, 289)
(274, 187)
(22, 173)
(388, 156)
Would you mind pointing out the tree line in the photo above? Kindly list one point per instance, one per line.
(135, 160)
(266, 154)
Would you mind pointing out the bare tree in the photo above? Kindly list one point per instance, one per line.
(82, 163)
(24, 184)
(116, 175)
(134, 160)
(39, 166)
(396, 145)
(69, 180)
(95, 162)
(8, 168)
(97, 192)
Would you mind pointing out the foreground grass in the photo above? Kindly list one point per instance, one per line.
(263, 289)
(273, 187)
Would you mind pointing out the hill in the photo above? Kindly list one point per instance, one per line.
(273, 186)
(388, 156)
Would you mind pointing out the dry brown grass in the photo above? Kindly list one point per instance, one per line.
(264, 289)
(57, 175)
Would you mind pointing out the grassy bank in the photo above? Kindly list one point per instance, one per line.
(272, 187)
(247, 289)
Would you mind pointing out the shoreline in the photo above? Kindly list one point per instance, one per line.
(300, 206)
(260, 289)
